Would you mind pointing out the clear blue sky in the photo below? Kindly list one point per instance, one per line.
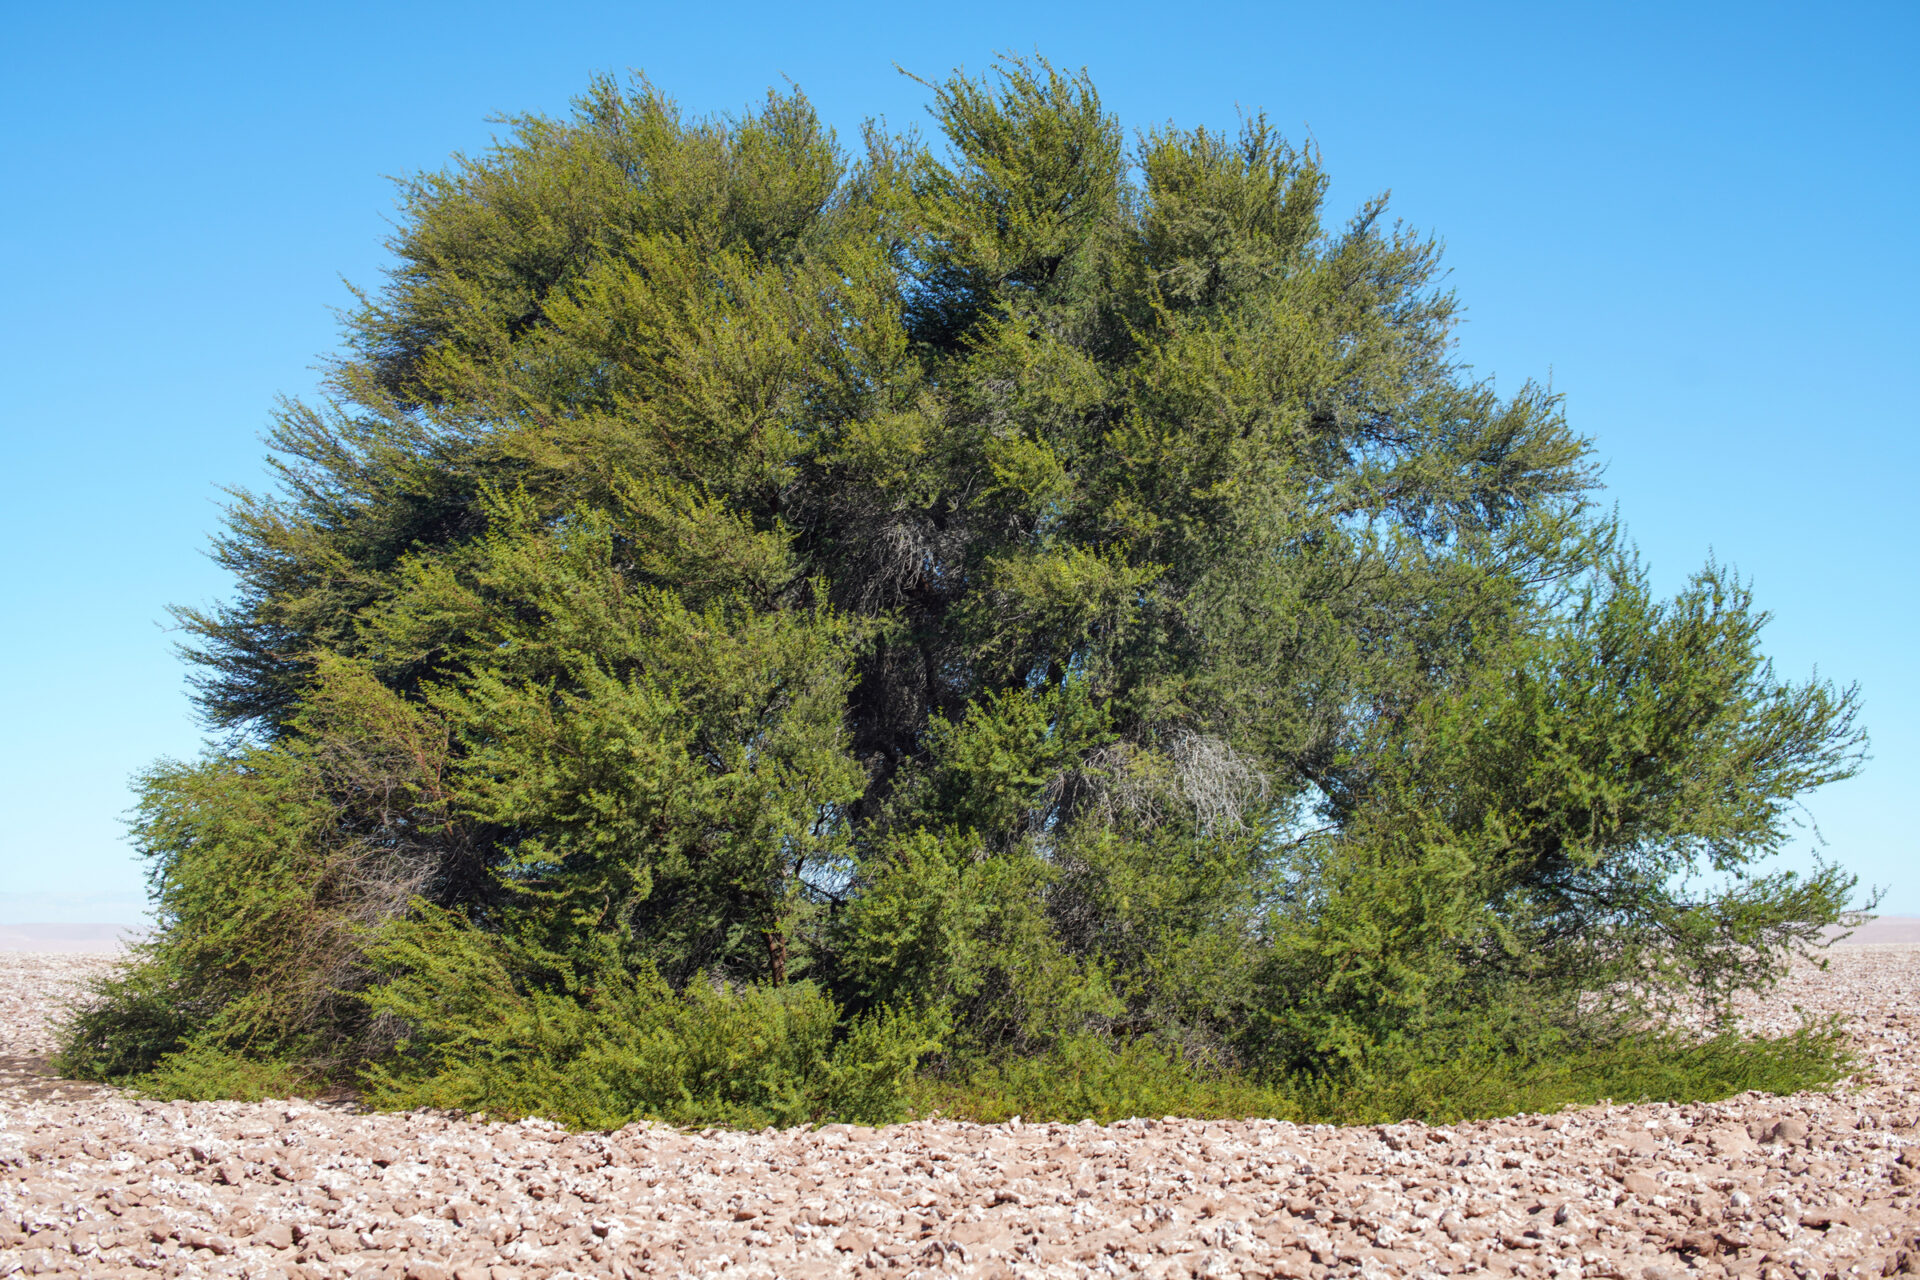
(1696, 219)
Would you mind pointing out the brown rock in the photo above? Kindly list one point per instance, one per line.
(854, 1242)
(1728, 1142)
(194, 1238)
(1641, 1185)
(277, 1235)
(1788, 1132)
(1702, 1244)
(1639, 1141)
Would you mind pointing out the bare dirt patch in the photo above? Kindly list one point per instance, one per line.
(1818, 1184)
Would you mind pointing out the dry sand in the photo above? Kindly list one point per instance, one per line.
(1819, 1184)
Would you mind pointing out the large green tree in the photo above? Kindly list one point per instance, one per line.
(1060, 582)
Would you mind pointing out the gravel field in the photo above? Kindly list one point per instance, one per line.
(32, 989)
(1812, 1185)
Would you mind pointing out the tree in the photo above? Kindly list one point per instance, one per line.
(1059, 585)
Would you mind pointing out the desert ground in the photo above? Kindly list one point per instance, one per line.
(1815, 1185)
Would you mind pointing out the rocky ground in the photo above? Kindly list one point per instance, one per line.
(1819, 1184)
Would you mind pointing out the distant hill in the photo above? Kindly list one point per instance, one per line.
(1883, 929)
(66, 937)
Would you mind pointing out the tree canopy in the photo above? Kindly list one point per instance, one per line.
(1044, 582)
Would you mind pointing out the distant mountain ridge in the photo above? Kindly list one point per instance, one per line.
(68, 937)
(1884, 929)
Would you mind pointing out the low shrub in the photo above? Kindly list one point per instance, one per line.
(1091, 1078)
(502, 1026)
(506, 1029)
(207, 1072)
(1667, 1067)
(126, 1020)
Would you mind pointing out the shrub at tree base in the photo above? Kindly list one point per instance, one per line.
(761, 631)
(597, 1045)
(208, 1073)
(1096, 1080)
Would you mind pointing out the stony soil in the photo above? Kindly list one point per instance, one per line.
(1820, 1184)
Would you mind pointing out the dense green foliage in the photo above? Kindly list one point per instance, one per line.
(586, 1040)
(1087, 1078)
(751, 617)
(206, 1072)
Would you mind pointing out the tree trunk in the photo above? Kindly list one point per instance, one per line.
(777, 955)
